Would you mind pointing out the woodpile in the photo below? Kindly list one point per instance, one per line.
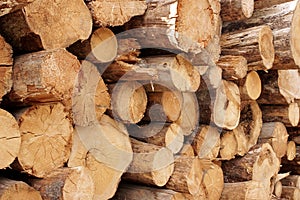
(156, 99)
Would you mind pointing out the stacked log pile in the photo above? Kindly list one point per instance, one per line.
(156, 99)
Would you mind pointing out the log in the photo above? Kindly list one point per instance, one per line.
(11, 189)
(136, 192)
(105, 150)
(226, 109)
(66, 184)
(255, 44)
(163, 106)
(289, 192)
(128, 50)
(167, 135)
(6, 52)
(151, 165)
(8, 6)
(115, 12)
(291, 180)
(187, 175)
(45, 139)
(250, 86)
(45, 76)
(168, 25)
(128, 101)
(259, 164)
(287, 83)
(276, 135)
(283, 113)
(62, 27)
(90, 98)
(10, 139)
(189, 115)
(295, 36)
(291, 150)
(187, 150)
(292, 164)
(236, 10)
(258, 4)
(278, 189)
(206, 142)
(228, 146)
(245, 190)
(101, 46)
(233, 67)
(5, 80)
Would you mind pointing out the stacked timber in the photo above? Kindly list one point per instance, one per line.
(156, 99)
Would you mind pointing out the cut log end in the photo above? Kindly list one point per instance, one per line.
(253, 85)
(247, 7)
(266, 46)
(293, 113)
(291, 150)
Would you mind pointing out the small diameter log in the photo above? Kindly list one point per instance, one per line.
(6, 52)
(163, 106)
(44, 76)
(250, 86)
(245, 190)
(287, 83)
(115, 12)
(45, 139)
(170, 25)
(294, 40)
(291, 180)
(228, 146)
(10, 139)
(206, 142)
(226, 108)
(233, 67)
(105, 150)
(101, 47)
(10, 189)
(128, 101)
(8, 6)
(276, 135)
(291, 193)
(278, 189)
(255, 44)
(249, 127)
(189, 115)
(62, 27)
(160, 134)
(90, 97)
(259, 164)
(136, 192)
(151, 165)
(291, 150)
(187, 176)
(282, 113)
(236, 10)
(65, 183)
(5, 80)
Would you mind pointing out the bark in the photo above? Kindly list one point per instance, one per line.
(233, 67)
(291, 180)
(8, 6)
(289, 192)
(236, 10)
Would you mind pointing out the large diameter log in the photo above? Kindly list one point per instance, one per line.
(101, 46)
(45, 138)
(255, 44)
(233, 67)
(165, 135)
(206, 142)
(136, 192)
(10, 139)
(245, 190)
(65, 183)
(105, 150)
(62, 27)
(11, 189)
(226, 107)
(259, 164)
(276, 135)
(115, 12)
(6, 53)
(8, 6)
(170, 25)
(189, 115)
(287, 83)
(289, 192)
(128, 101)
(236, 10)
(90, 98)
(152, 164)
(44, 76)
(187, 175)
